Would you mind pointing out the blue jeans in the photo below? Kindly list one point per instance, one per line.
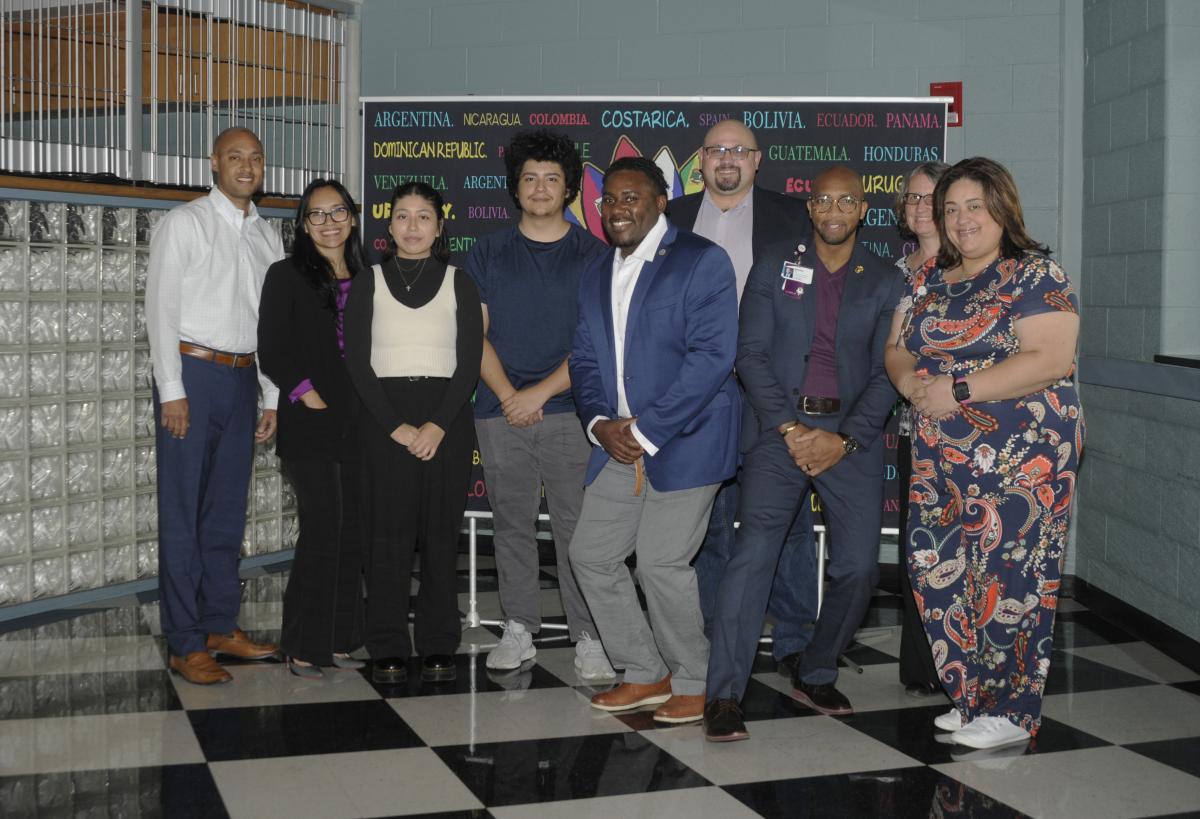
(793, 601)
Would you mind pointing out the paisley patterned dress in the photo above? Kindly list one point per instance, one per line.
(991, 490)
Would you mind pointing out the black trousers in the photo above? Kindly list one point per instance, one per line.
(414, 505)
(916, 658)
(323, 604)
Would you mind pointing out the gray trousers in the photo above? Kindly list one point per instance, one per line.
(664, 529)
(517, 462)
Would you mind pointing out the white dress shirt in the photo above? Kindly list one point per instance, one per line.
(208, 261)
(625, 273)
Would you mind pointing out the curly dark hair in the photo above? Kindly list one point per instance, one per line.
(1002, 202)
(543, 146)
(314, 267)
(441, 245)
(644, 166)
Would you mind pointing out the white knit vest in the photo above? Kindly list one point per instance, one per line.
(420, 341)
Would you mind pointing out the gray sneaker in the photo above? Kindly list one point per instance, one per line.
(515, 647)
(590, 660)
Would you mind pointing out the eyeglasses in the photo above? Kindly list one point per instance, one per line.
(737, 152)
(846, 204)
(317, 217)
(915, 199)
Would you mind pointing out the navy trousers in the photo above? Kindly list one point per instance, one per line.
(793, 602)
(772, 490)
(202, 483)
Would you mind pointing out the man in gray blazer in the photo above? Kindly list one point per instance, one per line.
(810, 359)
(745, 219)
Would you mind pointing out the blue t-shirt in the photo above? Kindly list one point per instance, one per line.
(531, 290)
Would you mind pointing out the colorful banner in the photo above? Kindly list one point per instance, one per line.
(457, 146)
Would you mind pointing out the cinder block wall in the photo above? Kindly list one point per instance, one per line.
(1138, 534)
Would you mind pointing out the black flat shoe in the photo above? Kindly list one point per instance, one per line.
(389, 670)
(922, 690)
(438, 668)
(723, 721)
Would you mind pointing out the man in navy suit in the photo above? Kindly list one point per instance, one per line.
(745, 220)
(651, 369)
(810, 358)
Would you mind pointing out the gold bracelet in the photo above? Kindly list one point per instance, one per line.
(789, 429)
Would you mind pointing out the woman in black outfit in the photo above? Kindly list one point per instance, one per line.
(414, 339)
(300, 348)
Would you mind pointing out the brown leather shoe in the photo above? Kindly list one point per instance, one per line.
(634, 695)
(239, 644)
(681, 708)
(199, 668)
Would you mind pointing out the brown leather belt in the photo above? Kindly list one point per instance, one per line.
(216, 356)
(812, 405)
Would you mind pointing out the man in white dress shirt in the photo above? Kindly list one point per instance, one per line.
(208, 259)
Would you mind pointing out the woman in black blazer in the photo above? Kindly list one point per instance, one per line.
(300, 347)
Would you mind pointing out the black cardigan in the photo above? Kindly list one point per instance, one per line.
(297, 339)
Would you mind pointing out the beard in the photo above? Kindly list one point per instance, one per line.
(728, 184)
(834, 241)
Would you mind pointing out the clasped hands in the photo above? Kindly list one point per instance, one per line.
(421, 442)
(617, 439)
(524, 407)
(932, 396)
(814, 450)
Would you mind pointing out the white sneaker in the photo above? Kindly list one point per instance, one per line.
(515, 647)
(990, 732)
(949, 721)
(590, 660)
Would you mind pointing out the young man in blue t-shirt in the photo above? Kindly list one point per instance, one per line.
(529, 435)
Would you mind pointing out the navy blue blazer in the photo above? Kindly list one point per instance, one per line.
(681, 339)
(776, 337)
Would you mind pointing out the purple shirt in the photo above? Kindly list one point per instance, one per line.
(821, 379)
(342, 294)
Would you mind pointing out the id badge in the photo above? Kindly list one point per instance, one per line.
(792, 288)
(793, 271)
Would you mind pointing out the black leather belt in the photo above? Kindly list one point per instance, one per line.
(813, 405)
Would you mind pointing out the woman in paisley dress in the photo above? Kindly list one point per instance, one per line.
(983, 346)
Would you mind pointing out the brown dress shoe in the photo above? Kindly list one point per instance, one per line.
(199, 668)
(634, 695)
(239, 644)
(681, 708)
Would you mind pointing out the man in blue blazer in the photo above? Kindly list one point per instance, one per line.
(810, 358)
(651, 370)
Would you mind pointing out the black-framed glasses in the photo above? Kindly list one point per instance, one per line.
(846, 204)
(737, 152)
(915, 199)
(318, 217)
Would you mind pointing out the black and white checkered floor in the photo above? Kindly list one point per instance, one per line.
(91, 724)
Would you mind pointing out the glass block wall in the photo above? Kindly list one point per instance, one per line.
(77, 467)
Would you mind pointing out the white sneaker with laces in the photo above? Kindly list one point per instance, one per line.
(590, 660)
(949, 721)
(990, 732)
(515, 647)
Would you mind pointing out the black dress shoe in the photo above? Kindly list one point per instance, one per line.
(438, 668)
(389, 670)
(723, 721)
(787, 665)
(824, 698)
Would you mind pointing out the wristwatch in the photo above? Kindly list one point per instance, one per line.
(961, 390)
(849, 443)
